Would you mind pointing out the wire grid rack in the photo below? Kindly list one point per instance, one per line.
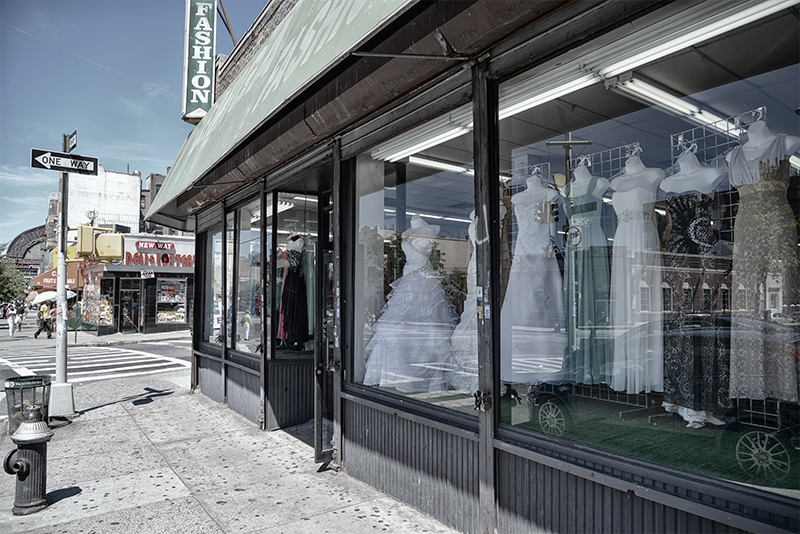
(607, 163)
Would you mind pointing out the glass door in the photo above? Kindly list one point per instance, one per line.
(325, 364)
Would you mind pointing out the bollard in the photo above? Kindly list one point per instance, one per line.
(29, 462)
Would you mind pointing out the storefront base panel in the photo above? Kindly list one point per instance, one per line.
(244, 393)
(209, 378)
(416, 461)
(290, 393)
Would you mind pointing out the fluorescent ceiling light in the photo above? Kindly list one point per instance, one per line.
(705, 22)
(439, 165)
(303, 198)
(794, 161)
(519, 98)
(646, 93)
(427, 135)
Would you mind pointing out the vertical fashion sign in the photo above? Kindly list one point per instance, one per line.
(198, 67)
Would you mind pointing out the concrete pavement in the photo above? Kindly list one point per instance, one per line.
(86, 338)
(147, 455)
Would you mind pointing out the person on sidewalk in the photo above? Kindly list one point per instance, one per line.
(11, 317)
(43, 317)
(53, 318)
(247, 323)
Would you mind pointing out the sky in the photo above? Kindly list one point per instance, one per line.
(112, 69)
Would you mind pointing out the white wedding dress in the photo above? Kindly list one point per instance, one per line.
(411, 350)
(465, 335)
(532, 341)
(636, 265)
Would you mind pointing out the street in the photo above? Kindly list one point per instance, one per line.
(30, 356)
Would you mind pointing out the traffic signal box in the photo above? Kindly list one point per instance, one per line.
(99, 244)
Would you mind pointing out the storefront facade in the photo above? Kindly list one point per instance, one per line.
(150, 290)
(530, 266)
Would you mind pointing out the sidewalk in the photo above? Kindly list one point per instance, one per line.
(147, 455)
(86, 338)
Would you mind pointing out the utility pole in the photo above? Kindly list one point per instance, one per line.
(62, 402)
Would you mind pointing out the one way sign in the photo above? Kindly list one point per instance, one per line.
(58, 161)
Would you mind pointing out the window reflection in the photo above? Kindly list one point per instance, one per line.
(212, 322)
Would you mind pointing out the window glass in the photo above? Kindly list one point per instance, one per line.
(171, 300)
(651, 290)
(212, 272)
(415, 294)
(295, 275)
(248, 285)
(230, 275)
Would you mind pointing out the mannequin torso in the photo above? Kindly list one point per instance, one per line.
(692, 177)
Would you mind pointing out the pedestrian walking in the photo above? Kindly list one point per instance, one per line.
(53, 318)
(21, 311)
(11, 317)
(43, 318)
(247, 322)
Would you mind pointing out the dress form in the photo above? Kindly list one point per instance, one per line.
(410, 349)
(583, 178)
(636, 271)
(765, 253)
(692, 176)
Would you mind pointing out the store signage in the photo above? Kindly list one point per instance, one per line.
(160, 260)
(154, 245)
(198, 66)
(147, 274)
(58, 161)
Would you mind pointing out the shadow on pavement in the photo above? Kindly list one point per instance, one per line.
(137, 400)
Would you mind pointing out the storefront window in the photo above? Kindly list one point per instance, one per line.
(98, 300)
(170, 300)
(635, 204)
(248, 286)
(230, 266)
(212, 271)
(415, 294)
(295, 275)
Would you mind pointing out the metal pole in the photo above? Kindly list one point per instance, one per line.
(62, 402)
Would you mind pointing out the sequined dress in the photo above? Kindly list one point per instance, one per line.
(766, 275)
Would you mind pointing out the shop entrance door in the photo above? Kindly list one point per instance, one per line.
(129, 306)
(326, 367)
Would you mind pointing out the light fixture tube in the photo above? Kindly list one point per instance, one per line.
(649, 94)
(730, 15)
(439, 165)
(519, 98)
(427, 135)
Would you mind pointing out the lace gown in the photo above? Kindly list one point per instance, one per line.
(531, 341)
(765, 266)
(638, 363)
(586, 287)
(411, 350)
(696, 364)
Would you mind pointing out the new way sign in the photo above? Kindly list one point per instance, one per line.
(58, 161)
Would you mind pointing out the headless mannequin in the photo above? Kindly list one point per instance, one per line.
(759, 137)
(534, 192)
(295, 243)
(692, 176)
(581, 182)
(637, 175)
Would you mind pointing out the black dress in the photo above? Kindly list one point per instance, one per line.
(696, 347)
(294, 305)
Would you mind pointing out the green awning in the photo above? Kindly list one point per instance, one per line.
(312, 39)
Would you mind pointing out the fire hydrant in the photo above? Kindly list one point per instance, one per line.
(29, 462)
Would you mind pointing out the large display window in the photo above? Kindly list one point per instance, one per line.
(415, 295)
(213, 280)
(98, 301)
(651, 289)
(248, 296)
(170, 300)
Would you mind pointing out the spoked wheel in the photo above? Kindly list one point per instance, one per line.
(760, 453)
(552, 419)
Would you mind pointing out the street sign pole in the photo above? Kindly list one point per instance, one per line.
(62, 402)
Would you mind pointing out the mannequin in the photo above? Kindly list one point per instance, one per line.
(294, 301)
(586, 278)
(692, 176)
(690, 355)
(765, 252)
(533, 306)
(636, 270)
(411, 349)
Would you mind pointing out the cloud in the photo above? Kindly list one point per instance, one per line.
(13, 176)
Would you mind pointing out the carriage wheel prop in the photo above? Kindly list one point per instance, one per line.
(760, 453)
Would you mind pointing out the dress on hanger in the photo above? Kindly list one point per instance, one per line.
(765, 262)
(586, 286)
(410, 350)
(294, 301)
(636, 288)
(531, 341)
